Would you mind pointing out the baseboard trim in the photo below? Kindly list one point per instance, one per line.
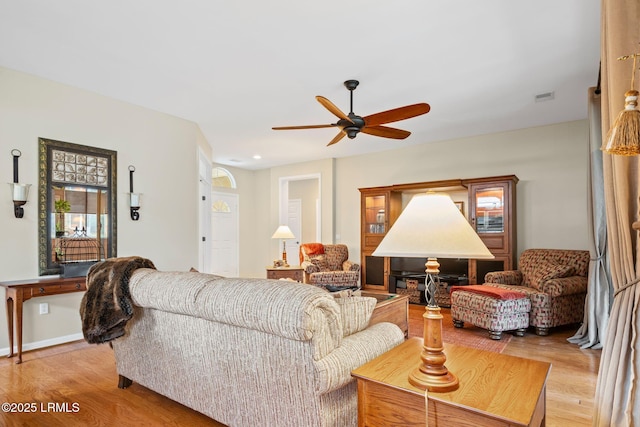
(44, 343)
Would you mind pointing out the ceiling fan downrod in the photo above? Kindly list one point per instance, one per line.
(351, 85)
(352, 129)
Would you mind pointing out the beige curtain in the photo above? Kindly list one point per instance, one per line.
(617, 400)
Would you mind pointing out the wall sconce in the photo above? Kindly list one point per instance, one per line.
(134, 198)
(19, 192)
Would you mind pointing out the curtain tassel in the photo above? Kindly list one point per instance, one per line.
(624, 136)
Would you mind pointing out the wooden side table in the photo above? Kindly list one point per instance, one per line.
(495, 390)
(294, 273)
(19, 291)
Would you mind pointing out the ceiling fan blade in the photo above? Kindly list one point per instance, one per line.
(332, 108)
(396, 114)
(386, 132)
(337, 138)
(303, 127)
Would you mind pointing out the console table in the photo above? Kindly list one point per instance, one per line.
(19, 291)
(495, 390)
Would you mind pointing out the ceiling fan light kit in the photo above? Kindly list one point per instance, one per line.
(351, 124)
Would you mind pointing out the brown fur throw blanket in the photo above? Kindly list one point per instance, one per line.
(107, 306)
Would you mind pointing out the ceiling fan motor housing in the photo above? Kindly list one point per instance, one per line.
(352, 128)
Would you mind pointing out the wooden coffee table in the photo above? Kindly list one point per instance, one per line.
(391, 308)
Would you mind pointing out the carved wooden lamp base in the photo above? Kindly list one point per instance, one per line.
(432, 375)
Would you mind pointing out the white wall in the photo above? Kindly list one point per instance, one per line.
(550, 161)
(161, 147)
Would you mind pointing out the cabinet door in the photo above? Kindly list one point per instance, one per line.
(375, 272)
(489, 212)
(379, 209)
(374, 227)
(374, 215)
(493, 216)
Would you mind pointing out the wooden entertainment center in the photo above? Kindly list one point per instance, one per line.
(488, 203)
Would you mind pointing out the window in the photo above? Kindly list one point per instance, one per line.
(221, 177)
(220, 206)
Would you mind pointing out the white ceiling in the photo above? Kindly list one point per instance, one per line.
(237, 68)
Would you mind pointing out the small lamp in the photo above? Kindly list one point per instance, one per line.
(134, 198)
(19, 192)
(283, 232)
(432, 226)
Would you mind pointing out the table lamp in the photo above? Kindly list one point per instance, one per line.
(283, 232)
(432, 226)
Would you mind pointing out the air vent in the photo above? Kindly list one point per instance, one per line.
(547, 96)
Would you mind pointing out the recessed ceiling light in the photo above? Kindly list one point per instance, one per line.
(235, 160)
(257, 156)
(547, 96)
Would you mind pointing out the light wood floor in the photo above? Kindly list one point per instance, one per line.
(79, 381)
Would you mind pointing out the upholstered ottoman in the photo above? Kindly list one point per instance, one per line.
(490, 308)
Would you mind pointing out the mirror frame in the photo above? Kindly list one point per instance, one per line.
(45, 193)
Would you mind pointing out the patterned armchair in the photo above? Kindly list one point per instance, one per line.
(555, 280)
(328, 265)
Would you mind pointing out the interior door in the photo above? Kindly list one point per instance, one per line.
(294, 221)
(224, 234)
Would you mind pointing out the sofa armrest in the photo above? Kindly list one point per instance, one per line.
(350, 266)
(309, 267)
(565, 286)
(334, 370)
(509, 277)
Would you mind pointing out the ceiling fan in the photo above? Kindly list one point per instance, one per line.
(351, 124)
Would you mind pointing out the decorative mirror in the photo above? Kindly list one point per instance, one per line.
(76, 207)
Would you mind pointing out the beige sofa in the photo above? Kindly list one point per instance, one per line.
(249, 352)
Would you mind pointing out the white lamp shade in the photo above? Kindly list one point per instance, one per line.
(19, 192)
(134, 200)
(283, 232)
(432, 226)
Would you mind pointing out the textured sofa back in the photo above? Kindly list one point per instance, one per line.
(282, 308)
(531, 259)
(248, 351)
